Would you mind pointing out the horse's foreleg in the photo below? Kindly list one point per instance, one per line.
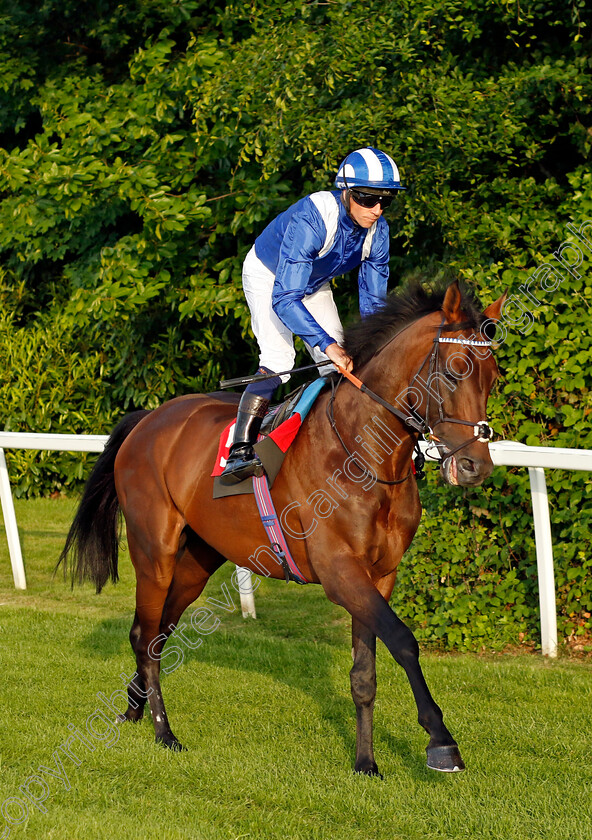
(363, 688)
(354, 591)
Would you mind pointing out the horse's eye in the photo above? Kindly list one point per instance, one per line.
(488, 330)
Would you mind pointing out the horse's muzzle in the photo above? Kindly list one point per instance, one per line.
(465, 471)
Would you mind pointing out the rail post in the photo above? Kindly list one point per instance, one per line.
(544, 555)
(12, 534)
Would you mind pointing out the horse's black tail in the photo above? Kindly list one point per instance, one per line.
(92, 545)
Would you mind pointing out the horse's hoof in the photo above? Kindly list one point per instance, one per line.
(368, 769)
(445, 759)
(171, 743)
(131, 715)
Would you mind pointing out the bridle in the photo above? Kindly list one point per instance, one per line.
(482, 431)
(415, 424)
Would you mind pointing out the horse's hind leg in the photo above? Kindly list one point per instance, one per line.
(154, 563)
(363, 688)
(136, 690)
(195, 564)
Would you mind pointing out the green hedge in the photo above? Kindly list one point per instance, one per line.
(143, 146)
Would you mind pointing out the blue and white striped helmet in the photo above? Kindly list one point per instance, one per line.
(369, 168)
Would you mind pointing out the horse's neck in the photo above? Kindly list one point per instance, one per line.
(378, 436)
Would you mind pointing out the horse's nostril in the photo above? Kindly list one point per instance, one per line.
(467, 465)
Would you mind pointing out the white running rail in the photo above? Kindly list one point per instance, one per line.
(67, 443)
(503, 453)
(509, 453)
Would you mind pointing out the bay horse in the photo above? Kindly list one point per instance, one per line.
(428, 354)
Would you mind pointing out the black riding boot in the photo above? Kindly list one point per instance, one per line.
(242, 461)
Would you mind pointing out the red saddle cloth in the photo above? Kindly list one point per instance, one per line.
(277, 442)
(282, 437)
(224, 445)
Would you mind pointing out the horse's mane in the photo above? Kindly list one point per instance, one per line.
(364, 337)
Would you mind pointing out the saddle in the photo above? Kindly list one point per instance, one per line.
(279, 428)
(276, 414)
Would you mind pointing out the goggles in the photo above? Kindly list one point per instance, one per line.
(371, 200)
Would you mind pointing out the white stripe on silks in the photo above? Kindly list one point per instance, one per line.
(327, 206)
(367, 246)
(465, 341)
(375, 172)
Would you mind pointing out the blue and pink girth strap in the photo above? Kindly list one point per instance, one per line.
(271, 523)
(285, 435)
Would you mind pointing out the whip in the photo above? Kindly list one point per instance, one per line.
(257, 377)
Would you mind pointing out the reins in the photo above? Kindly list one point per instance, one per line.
(414, 423)
(331, 417)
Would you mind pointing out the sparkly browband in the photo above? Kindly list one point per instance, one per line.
(468, 341)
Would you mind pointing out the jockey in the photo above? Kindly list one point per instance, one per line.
(286, 280)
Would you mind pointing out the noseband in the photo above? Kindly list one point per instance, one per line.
(414, 422)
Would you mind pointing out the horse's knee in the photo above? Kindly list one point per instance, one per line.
(404, 647)
(363, 685)
(409, 650)
(134, 635)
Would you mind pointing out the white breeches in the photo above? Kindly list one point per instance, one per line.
(276, 341)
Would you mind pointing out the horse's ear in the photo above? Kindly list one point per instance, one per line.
(494, 310)
(451, 306)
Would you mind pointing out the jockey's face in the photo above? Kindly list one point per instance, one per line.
(364, 216)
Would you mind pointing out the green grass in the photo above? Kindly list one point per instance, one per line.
(265, 711)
